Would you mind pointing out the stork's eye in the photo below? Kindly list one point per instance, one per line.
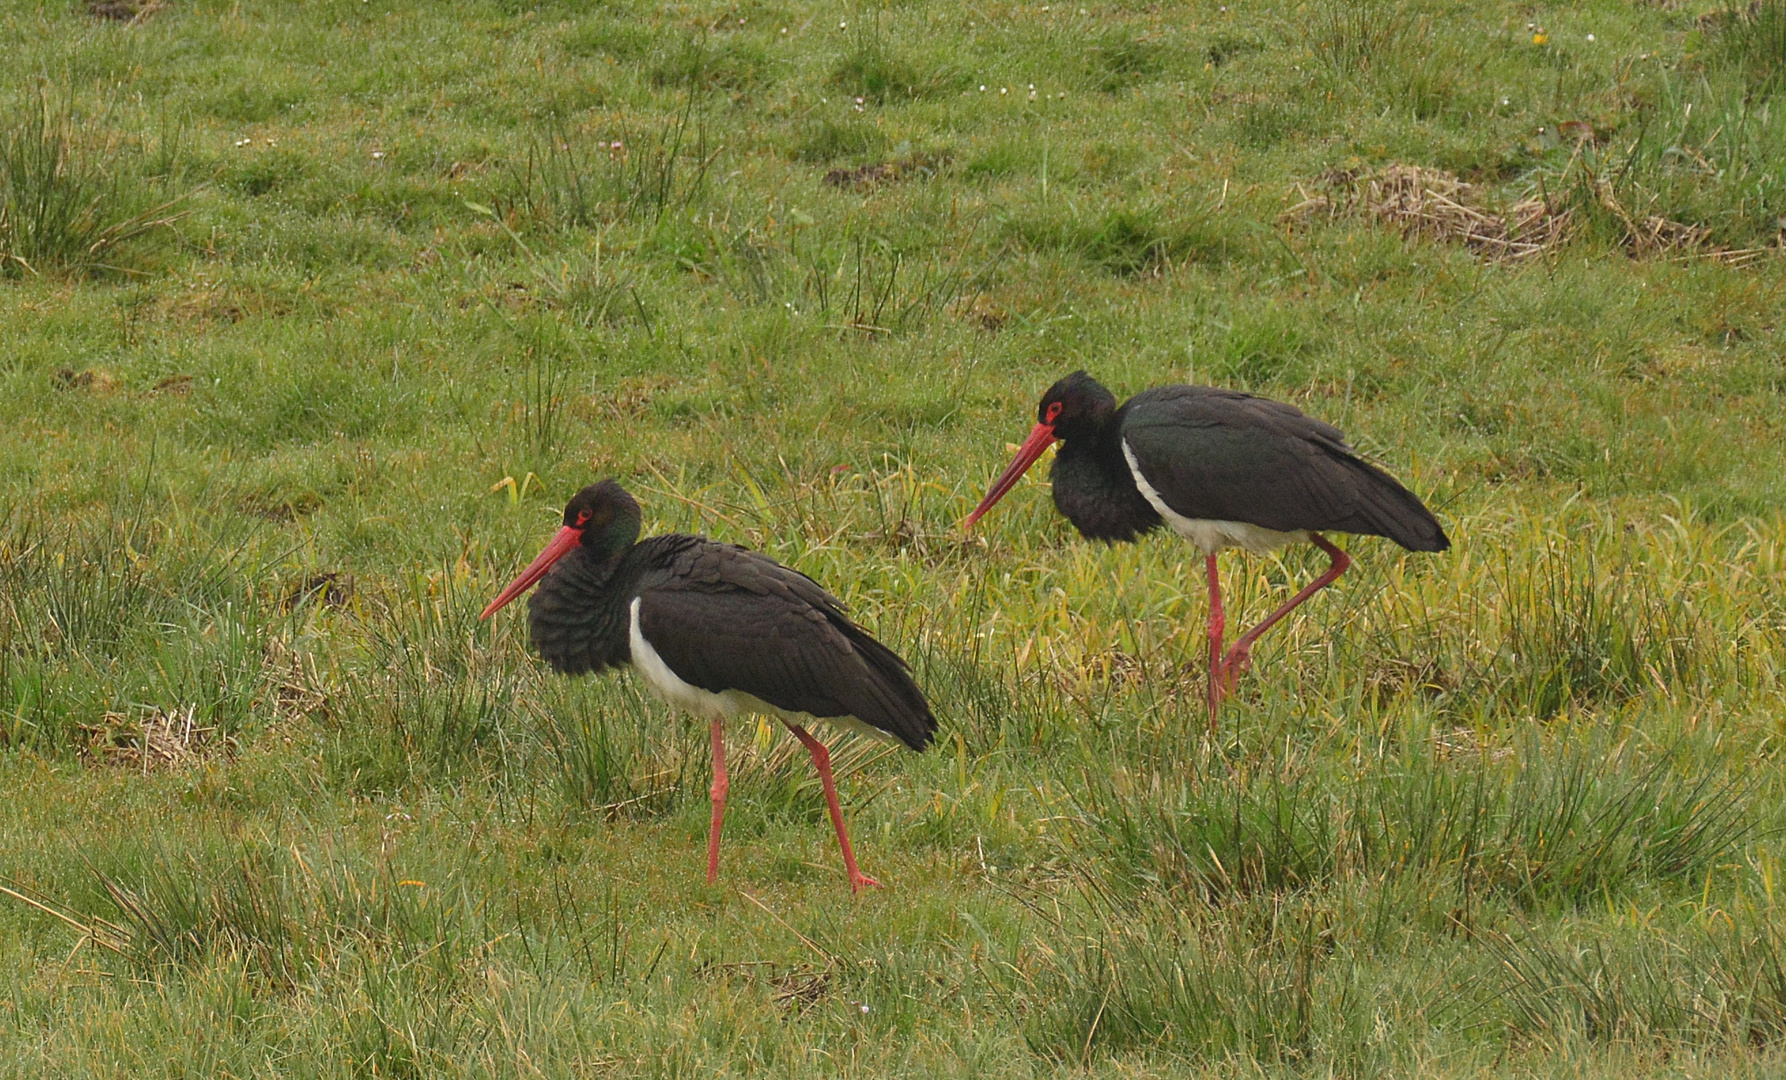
(582, 518)
(1053, 413)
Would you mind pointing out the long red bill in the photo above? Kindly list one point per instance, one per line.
(1040, 439)
(561, 545)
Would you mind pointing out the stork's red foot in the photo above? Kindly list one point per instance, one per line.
(1239, 659)
(1224, 677)
(860, 881)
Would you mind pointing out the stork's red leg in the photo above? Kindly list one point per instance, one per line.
(718, 795)
(821, 758)
(1216, 625)
(1239, 655)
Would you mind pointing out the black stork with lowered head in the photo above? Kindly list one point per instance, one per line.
(716, 630)
(1224, 469)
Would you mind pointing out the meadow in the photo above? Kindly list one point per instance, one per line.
(312, 316)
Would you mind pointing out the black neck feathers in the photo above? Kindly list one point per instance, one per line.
(1094, 489)
(579, 616)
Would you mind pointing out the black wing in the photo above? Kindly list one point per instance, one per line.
(1226, 456)
(724, 618)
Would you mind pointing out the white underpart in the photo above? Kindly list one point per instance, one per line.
(1210, 536)
(668, 685)
(709, 706)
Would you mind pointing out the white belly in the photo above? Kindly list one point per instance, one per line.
(667, 685)
(1209, 535)
(724, 705)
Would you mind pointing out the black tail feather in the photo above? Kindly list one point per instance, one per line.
(893, 702)
(1386, 508)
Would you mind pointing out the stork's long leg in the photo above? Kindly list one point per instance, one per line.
(718, 795)
(1239, 655)
(1216, 625)
(821, 758)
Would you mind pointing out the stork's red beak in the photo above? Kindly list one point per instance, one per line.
(1040, 439)
(562, 544)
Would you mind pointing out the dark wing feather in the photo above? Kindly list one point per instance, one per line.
(1227, 456)
(724, 618)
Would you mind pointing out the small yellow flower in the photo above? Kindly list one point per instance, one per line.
(1541, 39)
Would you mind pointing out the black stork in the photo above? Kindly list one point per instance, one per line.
(716, 630)
(1224, 469)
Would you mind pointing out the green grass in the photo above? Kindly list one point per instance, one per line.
(313, 315)
(64, 201)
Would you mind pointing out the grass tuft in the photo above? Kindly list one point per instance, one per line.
(1544, 825)
(1127, 240)
(1280, 992)
(1352, 39)
(65, 200)
(630, 761)
(1752, 40)
(875, 69)
(1721, 984)
(1121, 60)
(633, 174)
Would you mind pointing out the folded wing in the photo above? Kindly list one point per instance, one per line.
(724, 618)
(1225, 456)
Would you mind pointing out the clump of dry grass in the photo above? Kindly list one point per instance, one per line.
(1435, 205)
(98, 380)
(1468, 743)
(794, 989)
(1651, 234)
(296, 687)
(1654, 236)
(151, 737)
(868, 177)
(124, 11)
(981, 311)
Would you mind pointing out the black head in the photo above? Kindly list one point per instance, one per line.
(602, 519)
(1075, 406)
(606, 515)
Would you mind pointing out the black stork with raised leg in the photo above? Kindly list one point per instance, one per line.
(1224, 469)
(716, 630)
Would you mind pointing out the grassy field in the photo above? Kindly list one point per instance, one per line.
(312, 315)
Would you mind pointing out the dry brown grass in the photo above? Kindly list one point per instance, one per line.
(97, 380)
(1719, 18)
(91, 929)
(1435, 205)
(1468, 742)
(1654, 236)
(294, 683)
(868, 177)
(124, 11)
(768, 750)
(794, 989)
(151, 737)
